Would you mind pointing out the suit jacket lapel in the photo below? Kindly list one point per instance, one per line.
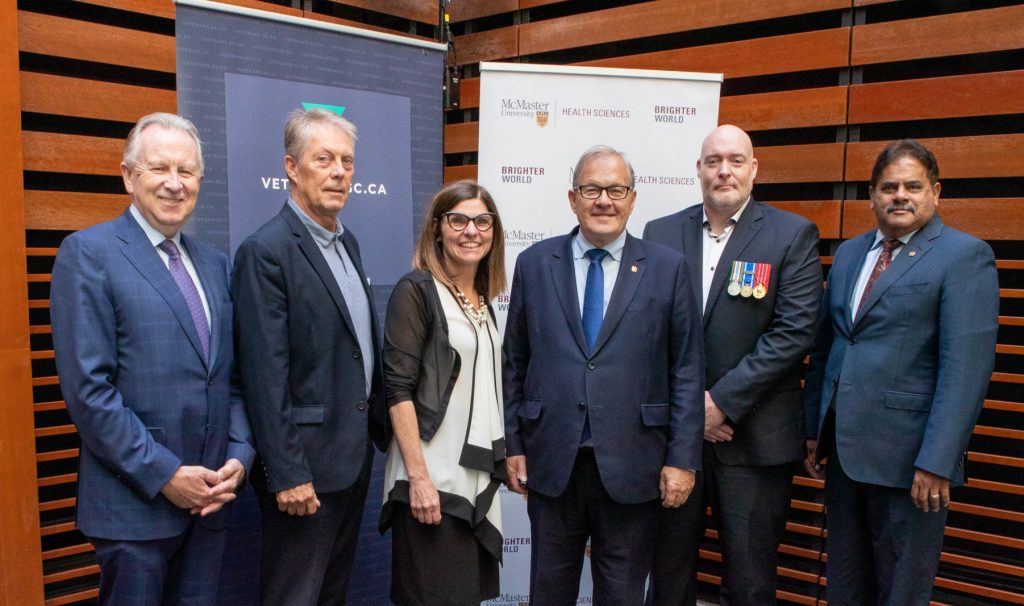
(844, 288)
(313, 254)
(207, 273)
(693, 247)
(631, 271)
(742, 234)
(563, 276)
(912, 252)
(141, 253)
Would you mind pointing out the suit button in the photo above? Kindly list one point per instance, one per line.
(581, 406)
(591, 365)
(356, 354)
(209, 381)
(361, 406)
(852, 340)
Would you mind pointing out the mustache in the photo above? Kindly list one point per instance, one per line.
(892, 208)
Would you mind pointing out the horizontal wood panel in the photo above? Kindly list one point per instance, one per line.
(77, 154)
(75, 39)
(654, 18)
(457, 173)
(980, 31)
(490, 45)
(414, 10)
(58, 95)
(463, 11)
(813, 163)
(987, 218)
(73, 598)
(826, 214)
(70, 210)
(469, 93)
(786, 109)
(761, 56)
(990, 94)
(461, 137)
(958, 157)
(980, 590)
(158, 8)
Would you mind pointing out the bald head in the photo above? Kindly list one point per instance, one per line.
(727, 169)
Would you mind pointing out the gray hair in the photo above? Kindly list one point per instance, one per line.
(599, 151)
(299, 123)
(168, 121)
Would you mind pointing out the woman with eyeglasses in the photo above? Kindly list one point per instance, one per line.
(442, 378)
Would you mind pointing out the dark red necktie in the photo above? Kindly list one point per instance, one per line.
(884, 258)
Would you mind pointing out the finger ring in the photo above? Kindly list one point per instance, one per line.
(935, 496)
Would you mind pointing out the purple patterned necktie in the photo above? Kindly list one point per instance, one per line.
(191, 294)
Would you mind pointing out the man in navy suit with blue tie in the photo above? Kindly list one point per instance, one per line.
(604, 391)
(142, 337)
(896, 382)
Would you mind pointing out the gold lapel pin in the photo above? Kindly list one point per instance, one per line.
(912, 253)
(633, 269)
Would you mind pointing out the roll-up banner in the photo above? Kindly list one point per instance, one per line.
(239, 72)
(535, 122)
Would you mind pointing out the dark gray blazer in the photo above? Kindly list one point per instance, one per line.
(300, 361)
(754, 348)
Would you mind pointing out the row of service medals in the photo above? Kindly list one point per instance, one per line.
(749, 279)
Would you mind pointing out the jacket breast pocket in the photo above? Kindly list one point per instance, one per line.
(901, 290)
(654, 415)
(308, 415)
(530, 409)
(908, 401)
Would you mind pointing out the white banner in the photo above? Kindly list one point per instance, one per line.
(535, 122)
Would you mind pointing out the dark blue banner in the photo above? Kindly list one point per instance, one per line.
(239, 74)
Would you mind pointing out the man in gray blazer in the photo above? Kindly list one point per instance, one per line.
(896, 382)
(756, 271)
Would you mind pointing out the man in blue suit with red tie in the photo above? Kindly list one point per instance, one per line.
(604, 391)
(896, 382)
(142, 338)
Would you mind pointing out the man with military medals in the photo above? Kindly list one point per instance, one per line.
(760, 286)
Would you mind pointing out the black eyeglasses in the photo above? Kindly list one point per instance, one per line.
(593, 192)
(459, 221)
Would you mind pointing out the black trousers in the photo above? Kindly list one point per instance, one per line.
(307, 559)
(620, 539)
(749, 505)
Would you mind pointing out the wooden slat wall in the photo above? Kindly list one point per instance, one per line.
(822, 86)
(86, 71)
(21, 577)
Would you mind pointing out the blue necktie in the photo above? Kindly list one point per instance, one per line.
(593, 296)
(190, 292)
(593, 310)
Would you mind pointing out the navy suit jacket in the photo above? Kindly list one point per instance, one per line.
(643, 384)
(754, 348)
(300, 361)
(136, 384)
(908, 375)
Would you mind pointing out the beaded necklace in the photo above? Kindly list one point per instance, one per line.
(479, 314)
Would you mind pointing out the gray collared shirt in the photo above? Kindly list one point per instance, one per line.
(351, 286)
